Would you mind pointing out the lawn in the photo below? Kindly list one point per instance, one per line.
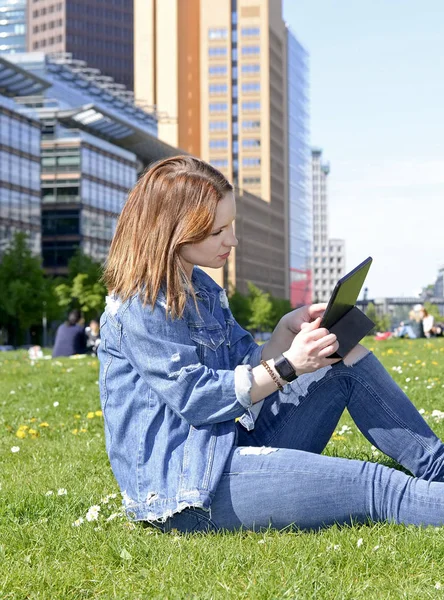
(62, 534)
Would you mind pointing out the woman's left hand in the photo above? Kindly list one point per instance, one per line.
(306, 314)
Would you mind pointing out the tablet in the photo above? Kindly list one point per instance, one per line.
(345, 294)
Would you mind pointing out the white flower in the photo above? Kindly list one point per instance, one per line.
(55, 404)
(375, 548)
(15, 449)
(78, 522)
(93, 513)
(421, 411)
(359, 542)
(12, 392)
(61, 492)
(223, 299)
(49, 493)
(437, 585)
(114, 516)
(407, 379)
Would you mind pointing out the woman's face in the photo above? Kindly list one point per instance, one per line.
(215, 249)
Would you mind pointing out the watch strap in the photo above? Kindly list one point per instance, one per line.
(285, 369)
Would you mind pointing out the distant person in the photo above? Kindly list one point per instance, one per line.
(70, 337)
(413, 328)
(93, 336)
(428, 322)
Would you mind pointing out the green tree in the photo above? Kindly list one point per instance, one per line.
(281, 306)
(82, 263)
(382, 322)
(24, 289)
(241, 308)
(261, 318)
(87, 296)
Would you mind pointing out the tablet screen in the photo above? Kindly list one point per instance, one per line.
(345, 294)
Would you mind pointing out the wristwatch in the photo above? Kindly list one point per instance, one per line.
(285, 369)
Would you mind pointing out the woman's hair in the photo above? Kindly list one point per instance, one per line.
(173, 203)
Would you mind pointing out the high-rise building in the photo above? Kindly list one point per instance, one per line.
(19, 158)
(12, 26)
(99, 32)
(299, 201)
(328, 254)
(217, 73)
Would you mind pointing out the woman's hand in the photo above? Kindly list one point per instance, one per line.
(306, 314)
(311, 347)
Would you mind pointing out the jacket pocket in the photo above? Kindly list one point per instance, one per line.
(207, 338)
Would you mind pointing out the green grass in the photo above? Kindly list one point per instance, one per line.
(42, 555)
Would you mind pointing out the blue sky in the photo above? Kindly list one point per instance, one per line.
(377, 111)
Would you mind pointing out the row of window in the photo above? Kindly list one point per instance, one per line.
(246, 143)
(223, 106)
(246, 162)
(56, 39)
(332, 249)
(108, 169)
(101, 196)
(19, 171)
(222, 88)
(223, 125)
(19, 206)
(47, 9)
(222, 33)
(19, 135)
(251, 180)
(45, 26)
(223, 51)
(221, 70)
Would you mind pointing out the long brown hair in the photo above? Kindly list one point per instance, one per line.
(173, 203)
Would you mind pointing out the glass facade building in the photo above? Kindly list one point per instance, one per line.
(12, 26)
(85, 182)
(19, 175)
(299, 159)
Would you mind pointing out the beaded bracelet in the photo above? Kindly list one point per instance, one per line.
(272, 375)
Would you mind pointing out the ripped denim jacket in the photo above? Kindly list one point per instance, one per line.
(170, 393)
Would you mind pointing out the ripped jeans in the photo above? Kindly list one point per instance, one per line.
(276, 477)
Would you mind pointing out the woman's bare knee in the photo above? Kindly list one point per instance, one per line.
(355, 354)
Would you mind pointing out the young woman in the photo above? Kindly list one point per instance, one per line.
(207, 430)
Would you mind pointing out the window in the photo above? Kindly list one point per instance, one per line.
(246, 69)
(250, 143)
(250, 31)
(220, 163)
(218, 107)
(251, 50)
(217, 51)
(251, 162)
(218, 88)
(218, 70)
(218, 144)
(253, 86)
(251, 105)
(217, 34)
(218, 125)
(251, 124)
(251, 180)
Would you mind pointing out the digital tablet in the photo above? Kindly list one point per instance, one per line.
(345, 294)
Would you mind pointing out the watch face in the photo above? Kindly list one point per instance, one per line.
(285, 369)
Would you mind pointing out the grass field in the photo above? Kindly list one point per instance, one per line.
(55, 473)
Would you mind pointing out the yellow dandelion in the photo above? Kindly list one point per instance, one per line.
(76, 416)
(44, 424)
(33, 432)
(337, 437)
(390, 351)
(75, 431)
(21, 434)
(418, 362)
(435, 363)
(98, 413)
(83, 430)
(90, 415)
(33, 420)
(23, 427)
(423, 364)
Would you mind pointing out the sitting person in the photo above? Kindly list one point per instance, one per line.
(413, 328)
(207, 430)
(70, 337)
(93, 336)
(428, 322)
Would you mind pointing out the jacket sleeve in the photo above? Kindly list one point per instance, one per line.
(171, 367)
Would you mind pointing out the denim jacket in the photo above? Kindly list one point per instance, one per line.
(171, 391)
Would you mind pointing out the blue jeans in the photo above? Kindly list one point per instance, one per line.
(276, 477)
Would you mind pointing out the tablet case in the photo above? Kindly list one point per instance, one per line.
(350, 329)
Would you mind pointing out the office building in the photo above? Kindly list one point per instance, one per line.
(98, 32)
(94, 143)
(12, 26)
(299, 200)
(328, 254)
(19, 159)
(217, 72)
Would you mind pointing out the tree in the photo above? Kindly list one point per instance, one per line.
(241, 308)
(261, 318)
(83, 294)
(281, 306)
(382, 322)
(24, 290)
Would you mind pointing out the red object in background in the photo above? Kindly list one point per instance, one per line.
(385, 335)
(300, 287)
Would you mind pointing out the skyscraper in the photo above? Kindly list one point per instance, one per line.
(299, 201)
(99, 32)
(328, 254)
(12, 26)
(217, 73)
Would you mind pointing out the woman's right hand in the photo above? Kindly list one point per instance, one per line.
(310, 348)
